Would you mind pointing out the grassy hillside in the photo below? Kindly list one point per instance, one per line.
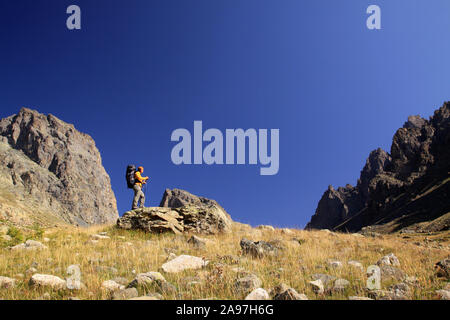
(127, 253)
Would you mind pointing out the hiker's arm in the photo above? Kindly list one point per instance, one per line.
(139, 177)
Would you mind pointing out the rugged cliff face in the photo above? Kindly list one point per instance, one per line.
(410, 187)
(51, 173)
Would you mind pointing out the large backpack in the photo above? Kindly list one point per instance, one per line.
(129, 175)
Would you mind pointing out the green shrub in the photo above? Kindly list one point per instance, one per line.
(16, 234)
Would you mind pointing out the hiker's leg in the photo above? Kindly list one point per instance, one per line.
(142, 202)
(137, 192)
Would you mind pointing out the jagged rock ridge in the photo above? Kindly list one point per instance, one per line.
(50, 172)
(408, 187)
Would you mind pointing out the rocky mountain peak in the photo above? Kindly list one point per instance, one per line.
(407, 186)
(70, 181)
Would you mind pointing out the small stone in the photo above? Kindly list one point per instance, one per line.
(386, 295)
(258, 249)
(197, 242)
(286, 231)
(258, 294)
(356, 264)
(389, 260)
(335, 264)
(326, 279)
(6, 237)
(29, 245)
(144, 298)
(340, 285)
(108, 270)
(412, 281)
(265, 228)
(358, 298)
(99, 237)
(111, 285)
(317, 286)
(148, 278)
(6, 283)
(155, 295)
(166, 288)
(183, 262)
(391, 273)
(400, 290)
(31, 271)
(121, 280)
(443, 294)
(125, 294)
(289, 294)
(247, 283)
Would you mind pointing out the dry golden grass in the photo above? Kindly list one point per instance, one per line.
(133, 252)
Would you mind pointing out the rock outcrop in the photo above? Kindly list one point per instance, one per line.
(180, 212)
(51, 173)
(408, 187)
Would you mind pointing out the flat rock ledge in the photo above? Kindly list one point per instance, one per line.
(201, 219)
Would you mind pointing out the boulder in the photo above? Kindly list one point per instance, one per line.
(47, 281)
(155, 220)
(211, 220)
(183, 262)
(190, 218)
(205, 219)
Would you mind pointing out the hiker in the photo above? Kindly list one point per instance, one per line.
(139, 197)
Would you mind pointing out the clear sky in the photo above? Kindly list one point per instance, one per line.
(137, 70)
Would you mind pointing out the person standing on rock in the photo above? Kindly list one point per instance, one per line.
(139, 197)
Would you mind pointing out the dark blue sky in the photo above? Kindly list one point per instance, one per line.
(140, 69)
